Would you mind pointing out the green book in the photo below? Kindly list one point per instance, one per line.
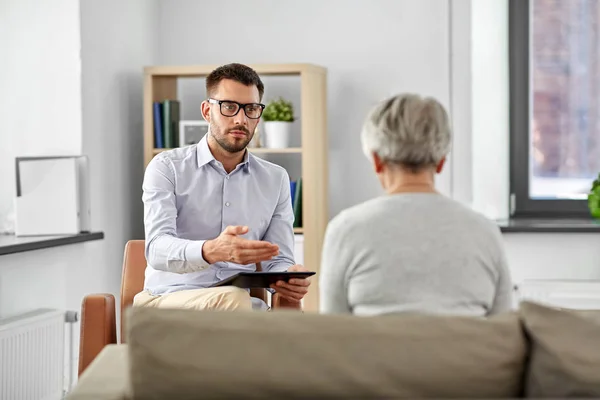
(298, 205)
(167, 131)
(171, 123)
(175, 122)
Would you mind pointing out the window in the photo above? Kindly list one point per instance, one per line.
(554, 105)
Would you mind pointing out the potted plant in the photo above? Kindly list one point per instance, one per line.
(278, 117)
(594, 198)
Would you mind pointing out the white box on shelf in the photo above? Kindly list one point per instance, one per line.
(299, 249)
(191, 132)
(53, 196)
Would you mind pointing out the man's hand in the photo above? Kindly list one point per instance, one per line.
(229, 247)
(295, 289)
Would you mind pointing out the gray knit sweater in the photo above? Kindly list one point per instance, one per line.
(413, 252)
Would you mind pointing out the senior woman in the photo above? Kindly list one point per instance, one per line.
(412, 249)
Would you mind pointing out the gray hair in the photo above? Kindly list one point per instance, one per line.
(408, 130)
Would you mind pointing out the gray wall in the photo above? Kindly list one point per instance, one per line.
(41, 109)
(371, 50)
(375, 49)
(40, 83)
(118, 39)
(75, 75)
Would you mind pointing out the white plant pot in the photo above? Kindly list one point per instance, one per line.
(277, 134)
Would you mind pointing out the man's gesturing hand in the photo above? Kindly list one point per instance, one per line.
(229, 247)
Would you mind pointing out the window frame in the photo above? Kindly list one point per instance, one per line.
(520, 98)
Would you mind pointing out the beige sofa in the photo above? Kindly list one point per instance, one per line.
(179, 354)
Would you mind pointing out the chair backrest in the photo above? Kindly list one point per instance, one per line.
(132, 280)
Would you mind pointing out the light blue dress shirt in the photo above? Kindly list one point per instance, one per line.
(189, 198)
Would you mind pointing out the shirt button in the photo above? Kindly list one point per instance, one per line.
(227, 204)
(227, 177)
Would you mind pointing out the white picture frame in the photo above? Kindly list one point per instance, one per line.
(191, 131)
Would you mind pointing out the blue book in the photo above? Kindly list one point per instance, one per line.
(293, 191)
(158, 131)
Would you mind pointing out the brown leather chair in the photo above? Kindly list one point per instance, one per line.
(98, 321)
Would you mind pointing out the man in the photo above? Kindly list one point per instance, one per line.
(213, 209)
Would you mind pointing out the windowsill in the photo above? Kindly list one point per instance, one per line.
(549, 225)
(10, 244)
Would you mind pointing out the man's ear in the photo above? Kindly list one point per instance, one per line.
(377, 163)
(440, 166)
(205, 109)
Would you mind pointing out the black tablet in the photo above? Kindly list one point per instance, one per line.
(260, 279)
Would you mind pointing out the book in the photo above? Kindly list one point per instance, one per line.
(298, 204)
(157, 111)
(175, 117)
(292, 191)
(171, 119)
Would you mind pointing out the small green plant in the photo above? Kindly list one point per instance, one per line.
(279, 110)
(594, 198)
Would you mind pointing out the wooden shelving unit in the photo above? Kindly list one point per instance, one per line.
(160, 83)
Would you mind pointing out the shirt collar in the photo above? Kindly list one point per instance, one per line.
(204, 155)
(203, 152)
(246, 161)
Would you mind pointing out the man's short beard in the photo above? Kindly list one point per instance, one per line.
(222, 140)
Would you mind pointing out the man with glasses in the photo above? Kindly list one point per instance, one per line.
(213, 209)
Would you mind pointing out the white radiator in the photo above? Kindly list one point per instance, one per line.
(579, 295)
(32, 356)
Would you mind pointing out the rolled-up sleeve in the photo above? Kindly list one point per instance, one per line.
(281, 231)
(164, 251)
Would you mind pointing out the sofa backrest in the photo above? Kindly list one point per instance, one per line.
(564, 360)
(176, 353)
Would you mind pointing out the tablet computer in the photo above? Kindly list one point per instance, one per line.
(260, 279)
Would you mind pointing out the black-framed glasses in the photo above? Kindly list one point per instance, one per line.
(230, 108)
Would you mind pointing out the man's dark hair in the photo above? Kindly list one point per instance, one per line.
(237, 72)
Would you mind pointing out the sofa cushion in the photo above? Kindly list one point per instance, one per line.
(565, 352)
(181, 353)
(106, 378)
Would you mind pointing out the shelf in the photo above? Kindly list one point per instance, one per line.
(261, 69)
(259, 150)
(549, 225)
(12, 244)
(299, 230)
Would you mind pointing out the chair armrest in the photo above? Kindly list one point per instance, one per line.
(279, 302)
(98, 327)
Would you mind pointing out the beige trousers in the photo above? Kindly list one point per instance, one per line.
(226, 298)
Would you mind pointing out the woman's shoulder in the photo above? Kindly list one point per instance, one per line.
(398, 208)
(357, 215)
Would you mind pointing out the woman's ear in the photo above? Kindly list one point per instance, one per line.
(377, 163)
(440, 166)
